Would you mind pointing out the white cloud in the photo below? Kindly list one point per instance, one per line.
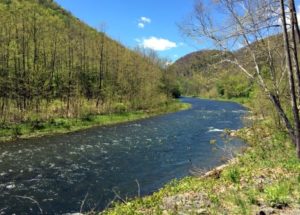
(145, 19)
(141, 25)
(157, 44)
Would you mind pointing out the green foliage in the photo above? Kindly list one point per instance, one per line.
(233, 86)
(176, 92)
(17, 131)
(252, 195)
(243, 187)
(242, 205)
(170, 84)
(233, 175)
(60, 123)
(37, 125)
(54, 66)
(87, 117)
(278, 194)
(120, 108)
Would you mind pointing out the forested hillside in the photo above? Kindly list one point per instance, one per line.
(54, 65)
(204, 73)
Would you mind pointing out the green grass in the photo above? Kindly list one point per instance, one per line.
(38, 128)
(266, 175)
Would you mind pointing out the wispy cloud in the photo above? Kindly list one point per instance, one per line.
(143, 21)
(157, 44)
(141, 25)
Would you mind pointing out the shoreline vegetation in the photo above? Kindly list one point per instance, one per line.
(257, 181)
(57, 73)
(54, 126)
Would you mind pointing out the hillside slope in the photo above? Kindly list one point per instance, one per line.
(54, 65)
(197, 62)
(203, 73)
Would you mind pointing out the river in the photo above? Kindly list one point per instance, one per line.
(53, 175)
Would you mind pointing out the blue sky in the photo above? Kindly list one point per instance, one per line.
(149, 23)
(146, 23)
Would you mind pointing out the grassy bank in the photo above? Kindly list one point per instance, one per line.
(38, 128)
(264, 180)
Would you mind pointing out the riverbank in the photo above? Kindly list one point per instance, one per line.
(66, 125)
(245, 101)
(263, 180)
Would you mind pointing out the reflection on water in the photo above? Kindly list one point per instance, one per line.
(54, 174)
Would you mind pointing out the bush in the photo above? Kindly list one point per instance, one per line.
(60, 123)
(120, 108)
(175, 92)
(17, 131)
(37, 125)
(4, 125)
(234, 86)
(87, 117)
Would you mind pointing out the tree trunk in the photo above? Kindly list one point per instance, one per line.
(294, 16)
(291, 79)
(295, 48)
(101, 68)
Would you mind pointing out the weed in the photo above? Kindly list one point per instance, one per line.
(252, 197)
(233, 175)
(278, 195)
(241, 205)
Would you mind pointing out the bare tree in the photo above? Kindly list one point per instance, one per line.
(253, 27)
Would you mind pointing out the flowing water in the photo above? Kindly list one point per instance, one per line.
(53, 175)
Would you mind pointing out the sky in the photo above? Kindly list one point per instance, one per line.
(146, 23)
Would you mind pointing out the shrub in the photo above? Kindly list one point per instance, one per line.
(4, 125)
(17, 131)
(87, 117)
(60, 123)
(175, 92)
(120, 108)
(37, 125)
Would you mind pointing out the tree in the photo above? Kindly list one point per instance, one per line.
(257, 26)
(53, 65)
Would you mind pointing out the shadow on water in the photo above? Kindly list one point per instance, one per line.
(59, 172)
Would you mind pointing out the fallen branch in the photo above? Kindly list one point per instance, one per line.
(83, 201)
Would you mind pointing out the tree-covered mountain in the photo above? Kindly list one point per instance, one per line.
(54, 65)
(197, 62)
(205, 73)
